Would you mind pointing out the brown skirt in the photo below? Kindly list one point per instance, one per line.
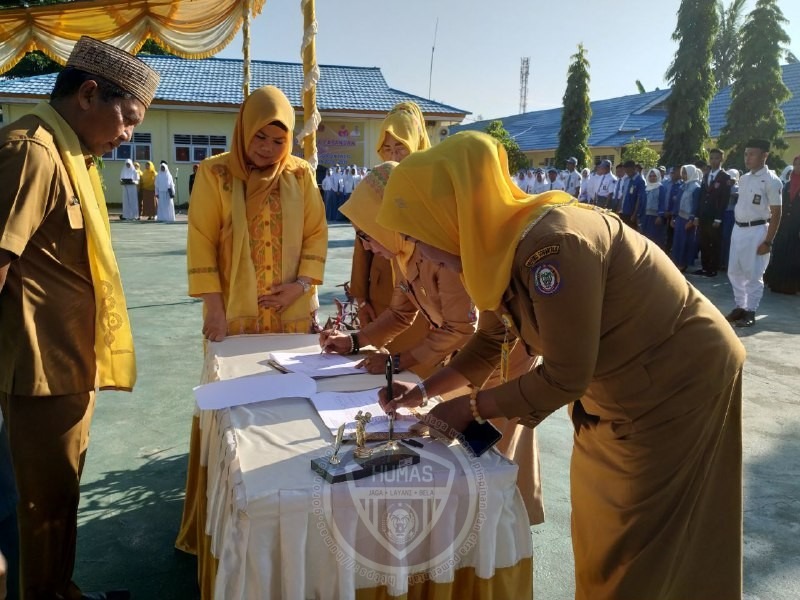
(148, 203)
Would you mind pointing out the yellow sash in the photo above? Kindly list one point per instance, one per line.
(113, 343)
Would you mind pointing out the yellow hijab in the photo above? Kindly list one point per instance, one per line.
(113, 340)
(406, 123)
(459, 197)
(148, 177)
(262, 107)
(362, 210)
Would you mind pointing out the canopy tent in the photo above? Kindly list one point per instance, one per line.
(186, 28)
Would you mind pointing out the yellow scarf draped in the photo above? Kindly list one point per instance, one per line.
(405, 122)
(262, 107)
(362, 210)
(459, 197)
(113, 344)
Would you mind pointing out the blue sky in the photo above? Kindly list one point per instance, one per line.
(479, 45)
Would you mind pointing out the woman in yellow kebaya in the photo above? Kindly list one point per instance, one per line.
(257, 239)
(256, 250)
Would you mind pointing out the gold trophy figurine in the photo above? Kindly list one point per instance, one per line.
(361, 450)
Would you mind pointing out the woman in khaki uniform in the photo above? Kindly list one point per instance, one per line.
(371, 283)
(435, 296)
(656, 471)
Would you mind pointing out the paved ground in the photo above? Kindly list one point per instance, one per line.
(134, 478)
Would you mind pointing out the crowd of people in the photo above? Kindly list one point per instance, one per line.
(693, 212)
(527, 294)
(147, 194)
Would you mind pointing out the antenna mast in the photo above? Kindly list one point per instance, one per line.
(433, 49)
(524, 69)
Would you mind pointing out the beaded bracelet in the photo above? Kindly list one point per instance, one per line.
(355, 347)
(473, 406)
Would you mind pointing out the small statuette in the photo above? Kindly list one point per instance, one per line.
(361, 450)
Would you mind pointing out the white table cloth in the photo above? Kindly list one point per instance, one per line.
(280, 532)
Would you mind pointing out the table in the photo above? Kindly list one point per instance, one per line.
(272, 528)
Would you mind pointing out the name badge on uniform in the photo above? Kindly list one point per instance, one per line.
(757, 199)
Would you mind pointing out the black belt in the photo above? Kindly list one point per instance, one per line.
(752, 223)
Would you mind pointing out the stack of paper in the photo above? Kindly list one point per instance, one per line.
(316, 365)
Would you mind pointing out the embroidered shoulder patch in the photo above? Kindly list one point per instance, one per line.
(541, 253)
(547, 279)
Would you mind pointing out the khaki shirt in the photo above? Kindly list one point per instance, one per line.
(47, 307)
(617, 325)
(371, 278)
(438, 294)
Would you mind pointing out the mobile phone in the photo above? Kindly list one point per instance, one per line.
(478, 438)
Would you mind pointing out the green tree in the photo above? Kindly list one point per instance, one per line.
(640, 152)
(573, 136)
(640, 87)
(758, 89)
(727, 42)
(517, 161)
(686, 125)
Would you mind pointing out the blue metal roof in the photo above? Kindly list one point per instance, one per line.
(219, 81)
(616, 120)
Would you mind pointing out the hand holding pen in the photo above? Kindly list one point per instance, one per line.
(333, 340)
(389, 392)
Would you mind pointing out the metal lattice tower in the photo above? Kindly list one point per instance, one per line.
(524, 69)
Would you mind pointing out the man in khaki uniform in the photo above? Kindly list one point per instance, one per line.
(656, 473)
(64, 328)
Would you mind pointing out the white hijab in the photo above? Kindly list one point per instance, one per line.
(164, 178)
(128, 171)
(652, 186)
(692, 173)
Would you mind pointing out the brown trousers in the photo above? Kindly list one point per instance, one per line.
(48, 436)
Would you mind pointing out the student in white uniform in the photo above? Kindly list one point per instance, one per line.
(540, 182)
(572, 178)
(129, 178)
(586, 177)
(602, 184)
(757, 215)
(553, 181)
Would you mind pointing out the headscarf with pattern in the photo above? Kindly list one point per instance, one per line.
(459, 197)
(362, 210)
(405, 122)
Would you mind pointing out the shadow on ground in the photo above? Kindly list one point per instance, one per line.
(134, 513)
(771, 527)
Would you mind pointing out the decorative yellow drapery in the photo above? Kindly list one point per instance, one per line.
(185, 28)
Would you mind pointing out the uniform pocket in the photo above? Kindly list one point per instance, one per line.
(74, 214)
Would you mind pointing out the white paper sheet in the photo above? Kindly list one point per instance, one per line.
(317, 364)
(256, 388)
(336, 408)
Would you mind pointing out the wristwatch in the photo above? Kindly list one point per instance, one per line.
(396, 363)
(306, 285)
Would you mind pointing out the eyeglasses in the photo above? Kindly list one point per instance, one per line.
(362, 236)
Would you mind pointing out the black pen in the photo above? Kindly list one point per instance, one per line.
(389, 394)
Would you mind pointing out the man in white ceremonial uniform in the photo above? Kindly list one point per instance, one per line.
(757, 215)
(572, 178)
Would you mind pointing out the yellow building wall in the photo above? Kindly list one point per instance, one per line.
(163, 123)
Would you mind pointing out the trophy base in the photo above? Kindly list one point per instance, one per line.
(350, 468)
